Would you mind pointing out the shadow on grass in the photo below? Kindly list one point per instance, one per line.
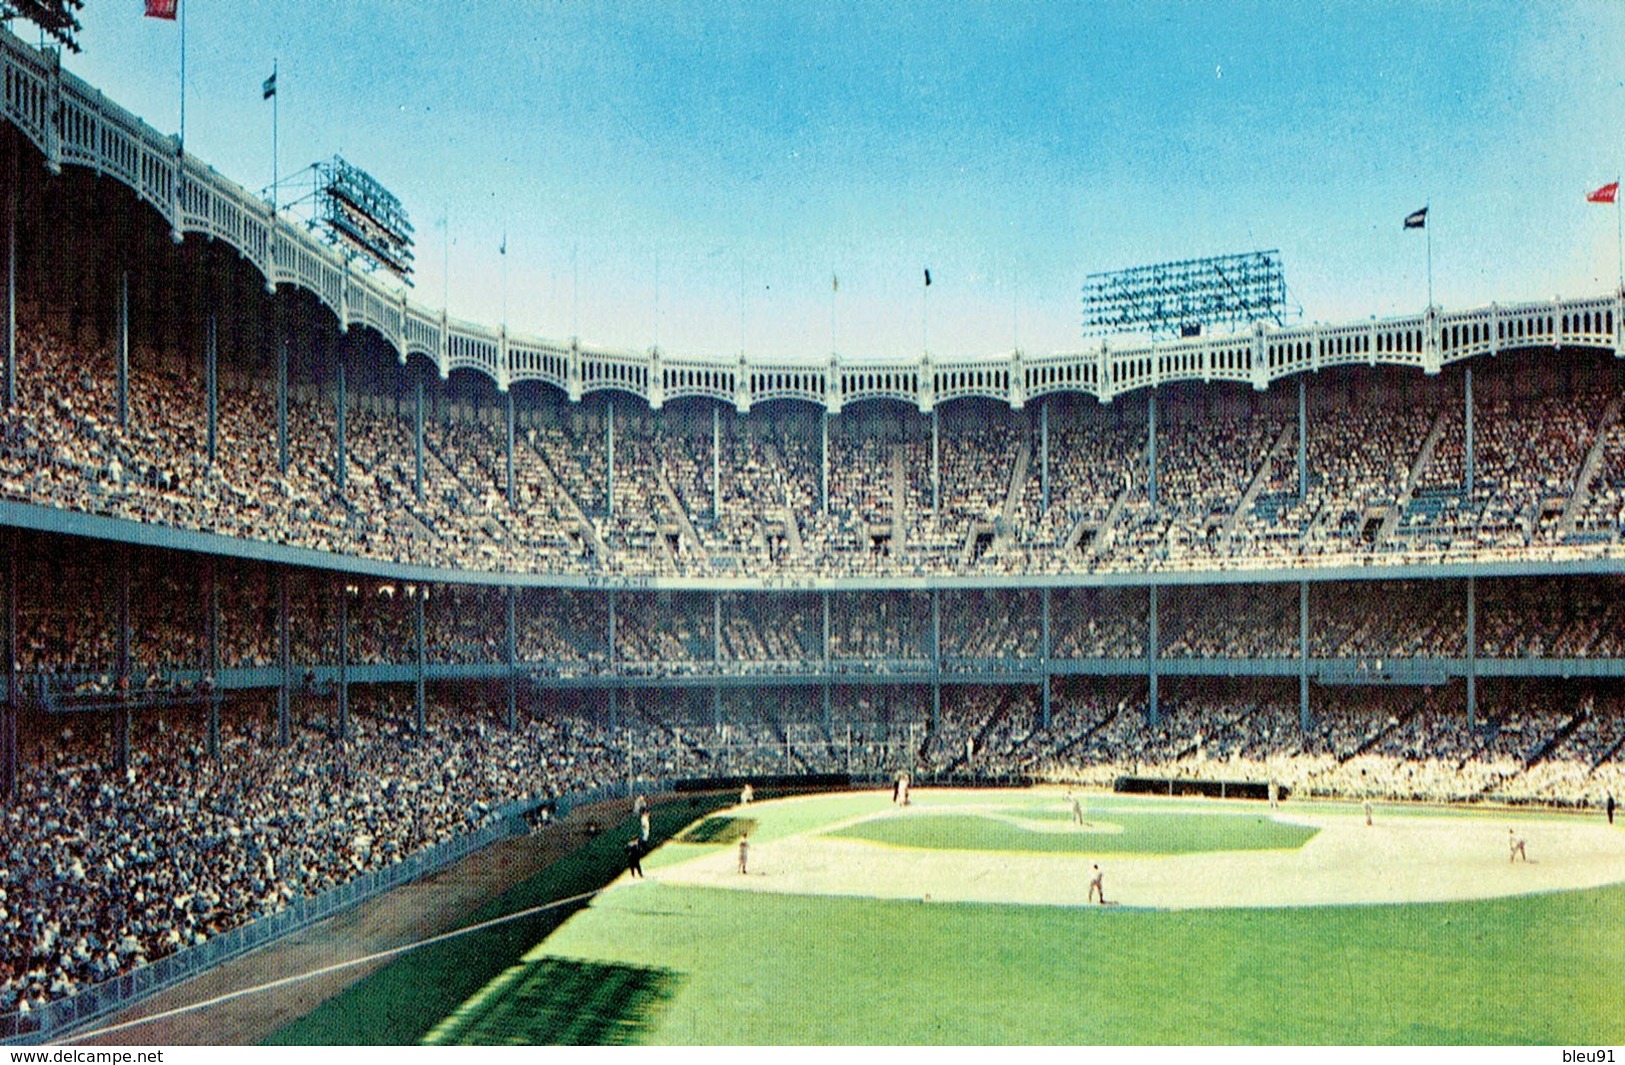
(561, 1002)
(400, 1003)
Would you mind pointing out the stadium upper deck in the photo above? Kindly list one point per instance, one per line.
(143, 387)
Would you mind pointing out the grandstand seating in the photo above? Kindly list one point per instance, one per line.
(968, 593)
(1386, 481)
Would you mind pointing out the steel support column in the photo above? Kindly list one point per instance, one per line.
(1304, 717)
(1153, 707)
(122, 723)
(1472, 650)
(609, 453)
(1469, 456)
(614, 667)
(211, 635)
(823, 460)
(936, 460)
(1043, 457)
(716, 462)
(1045, 652)
(509, 455)
(419, 688)
(281, 390)
(513, 630)
(936, 657)
(825, 643)
(824, 650)
(417, 437)
(342, 403)
(1151, 448)
(211, 385)
(344, 664)
(123, 382)
(1303, 440)
(284, 692)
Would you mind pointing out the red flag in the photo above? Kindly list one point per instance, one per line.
(162, 9)
(1605, 194)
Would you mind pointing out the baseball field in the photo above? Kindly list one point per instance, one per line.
(967, 917)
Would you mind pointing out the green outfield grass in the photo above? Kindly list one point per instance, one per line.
(1141, 833)
(655, 963)
(767, 968)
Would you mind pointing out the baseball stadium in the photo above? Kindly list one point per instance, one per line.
(379, 676)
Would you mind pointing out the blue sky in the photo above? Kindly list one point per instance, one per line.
(746, 157)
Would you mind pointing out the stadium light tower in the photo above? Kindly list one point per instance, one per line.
(360, 213)
(1183, 298)
(54, 17)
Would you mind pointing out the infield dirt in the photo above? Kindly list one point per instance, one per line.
(1410, 858)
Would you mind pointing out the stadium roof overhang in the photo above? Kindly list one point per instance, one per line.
(72, 124)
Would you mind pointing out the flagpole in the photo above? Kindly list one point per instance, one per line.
(1619, 238)
(1426, 218)
(925, 306)
(834, 289)
(276, 109)
(182, 5)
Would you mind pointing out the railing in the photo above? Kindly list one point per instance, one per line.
(121, 992)
(1018, 664)
(67, 696)
(71, 123)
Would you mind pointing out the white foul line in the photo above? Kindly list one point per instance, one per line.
(284, 981)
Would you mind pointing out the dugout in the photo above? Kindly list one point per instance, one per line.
(1217, 789)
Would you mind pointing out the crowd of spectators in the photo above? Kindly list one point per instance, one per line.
(1386, 479)
(784, 632)
(1090, 467)
(986, 626)
(1387, 619)
(1100, 622)
(1231, 621)
(68, 623)
(1527, 454)
(1534, 618)
(1359, 456)
(1603, 514)
(1394, 744)
(973, 471)
(1204, 466)
(106, 870)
